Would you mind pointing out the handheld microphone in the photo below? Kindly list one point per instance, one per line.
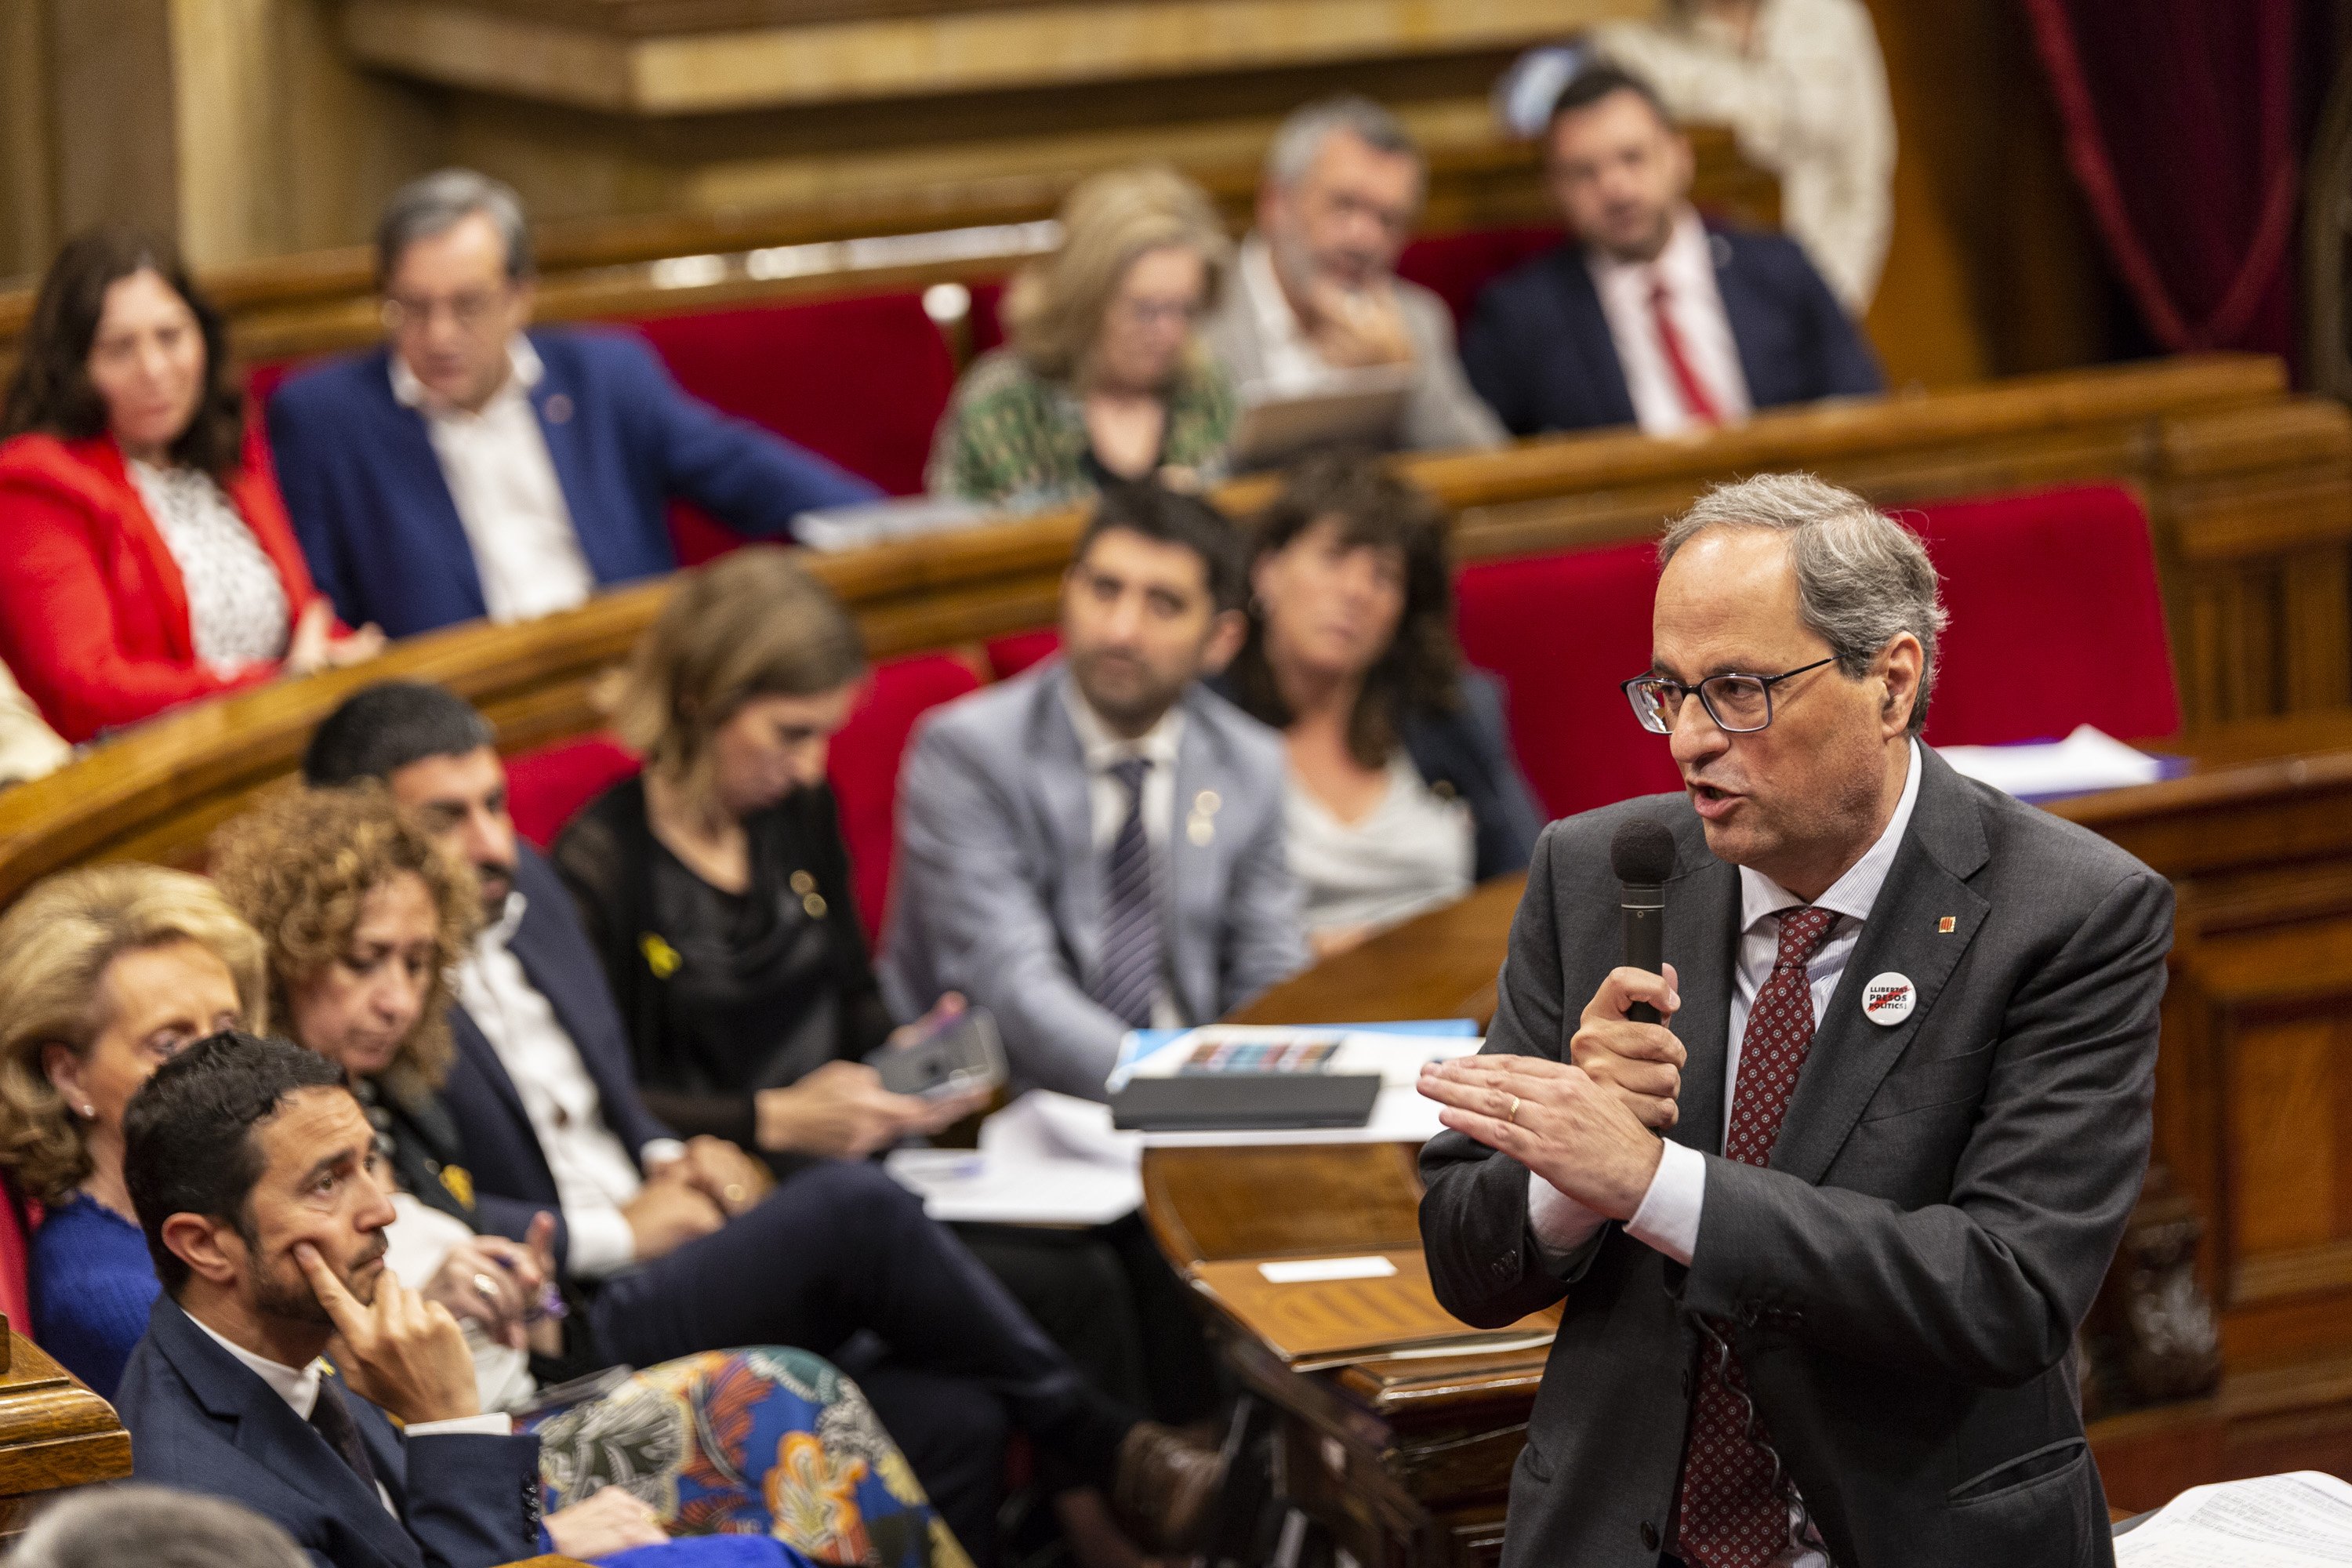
(1641, 853)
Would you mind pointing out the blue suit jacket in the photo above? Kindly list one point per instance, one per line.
(511, 1179)
(1538, 349)
(381, 533)
(201, 1421)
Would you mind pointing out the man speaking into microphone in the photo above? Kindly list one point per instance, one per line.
(1823, 1236)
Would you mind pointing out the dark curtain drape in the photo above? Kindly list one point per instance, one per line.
(2184, 122)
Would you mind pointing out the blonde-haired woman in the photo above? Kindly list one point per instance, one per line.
(1104, 377)
(715, 886)
(105, 972)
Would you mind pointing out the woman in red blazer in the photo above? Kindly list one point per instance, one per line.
(123, 408)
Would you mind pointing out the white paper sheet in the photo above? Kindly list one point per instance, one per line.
(1315, 1270)
(2086, 760)
(1046, 1158)
(2302, 1520)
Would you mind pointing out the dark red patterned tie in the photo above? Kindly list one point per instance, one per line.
(1731, 1517)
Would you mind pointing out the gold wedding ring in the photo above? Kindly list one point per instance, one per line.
(732, 1192)
(487, 1286)
(1512, 1115)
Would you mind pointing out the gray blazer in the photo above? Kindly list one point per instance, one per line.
(998, 887)
(1441, 412)
(1906, 1276)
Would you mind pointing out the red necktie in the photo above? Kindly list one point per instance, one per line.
(1695, 401)
(1731, 1517)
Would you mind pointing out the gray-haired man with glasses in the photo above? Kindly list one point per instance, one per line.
(1822, 1237)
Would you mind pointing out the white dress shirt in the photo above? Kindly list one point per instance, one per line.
(299, 1389)
(1107, 797)
(504, 485)
(594, 1179)
(1686, 267)
(1293, 367)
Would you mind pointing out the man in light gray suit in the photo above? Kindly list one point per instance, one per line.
(1096, 844)
(1317, 300)
(1904, 1082)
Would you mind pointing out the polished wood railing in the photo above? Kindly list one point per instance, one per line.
(2249, 490)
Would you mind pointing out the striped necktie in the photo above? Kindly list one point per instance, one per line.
(1126, 979)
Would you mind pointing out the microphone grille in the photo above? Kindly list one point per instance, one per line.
(1641, 852)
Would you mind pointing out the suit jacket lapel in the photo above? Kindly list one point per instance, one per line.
(556, 402)
(280, 1444)
(1851, 1056)
(1067, 815)
(1743, 306)
(1587, 328)
(1702, 942)
(1193, 899)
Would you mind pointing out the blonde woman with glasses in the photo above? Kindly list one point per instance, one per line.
(1104, 377)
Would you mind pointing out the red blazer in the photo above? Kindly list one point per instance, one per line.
(93, 611)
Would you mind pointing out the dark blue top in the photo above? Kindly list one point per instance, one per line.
(93, 1285)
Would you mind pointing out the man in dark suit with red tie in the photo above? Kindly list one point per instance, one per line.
(1649, 315)
(1865, 1178)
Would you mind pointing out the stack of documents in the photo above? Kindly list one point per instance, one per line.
(2086, 760)
(1046, 1158)
(2298, 1520)
(1395, 1052)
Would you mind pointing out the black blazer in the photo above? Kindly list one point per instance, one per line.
(1538, 348)
(511, 1179)
(202, 1422)
(605, 858)
(1905, 1280)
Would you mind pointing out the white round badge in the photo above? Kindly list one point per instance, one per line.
(1887, 1000)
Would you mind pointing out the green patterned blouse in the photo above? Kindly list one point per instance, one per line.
(1013, 439)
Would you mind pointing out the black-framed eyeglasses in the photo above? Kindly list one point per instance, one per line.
(1739, 704)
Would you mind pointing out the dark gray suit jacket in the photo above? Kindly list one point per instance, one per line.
(1906, 1276)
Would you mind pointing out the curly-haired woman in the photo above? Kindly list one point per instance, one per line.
(364, 918)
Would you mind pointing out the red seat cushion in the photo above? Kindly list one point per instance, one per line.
(1560, 632)
(1008, 655)
(865, 766)
(16, 1218)
(2056, 618)
(546, 788)
(2056, 621)
(1457, 267)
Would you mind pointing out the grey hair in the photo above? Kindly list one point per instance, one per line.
(157, 1527)
(1862, 578)
(1301, 139)
(438, 203)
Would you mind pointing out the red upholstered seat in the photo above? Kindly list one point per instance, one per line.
(1560, 632)
(16, 1219)
(1456, 267)
(864, 768)
(2056, 618)
(1008, 655)
(2056, 621)
(862, 381)
(546, 788)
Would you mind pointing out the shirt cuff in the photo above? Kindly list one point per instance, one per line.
(1559, 1224)
(602, 1243)
(659, 1152)
(1668, 1217)
(488, 1423)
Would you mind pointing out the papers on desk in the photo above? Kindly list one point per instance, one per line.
(2302, 1520)
(861, 524)
(1399, 1115)
(1046, 1158)
(1319, 1313)
(2084, 760)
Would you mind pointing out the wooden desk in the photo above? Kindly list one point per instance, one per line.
(55, 1434)
(1406, 1461)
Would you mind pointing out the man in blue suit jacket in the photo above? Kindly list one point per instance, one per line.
(1653, 318)
(472, 468)
(250, 1164)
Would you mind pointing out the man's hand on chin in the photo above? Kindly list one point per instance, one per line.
(1555, 1120)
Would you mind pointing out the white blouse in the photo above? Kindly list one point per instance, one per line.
(238, 613)
(1416, 849)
